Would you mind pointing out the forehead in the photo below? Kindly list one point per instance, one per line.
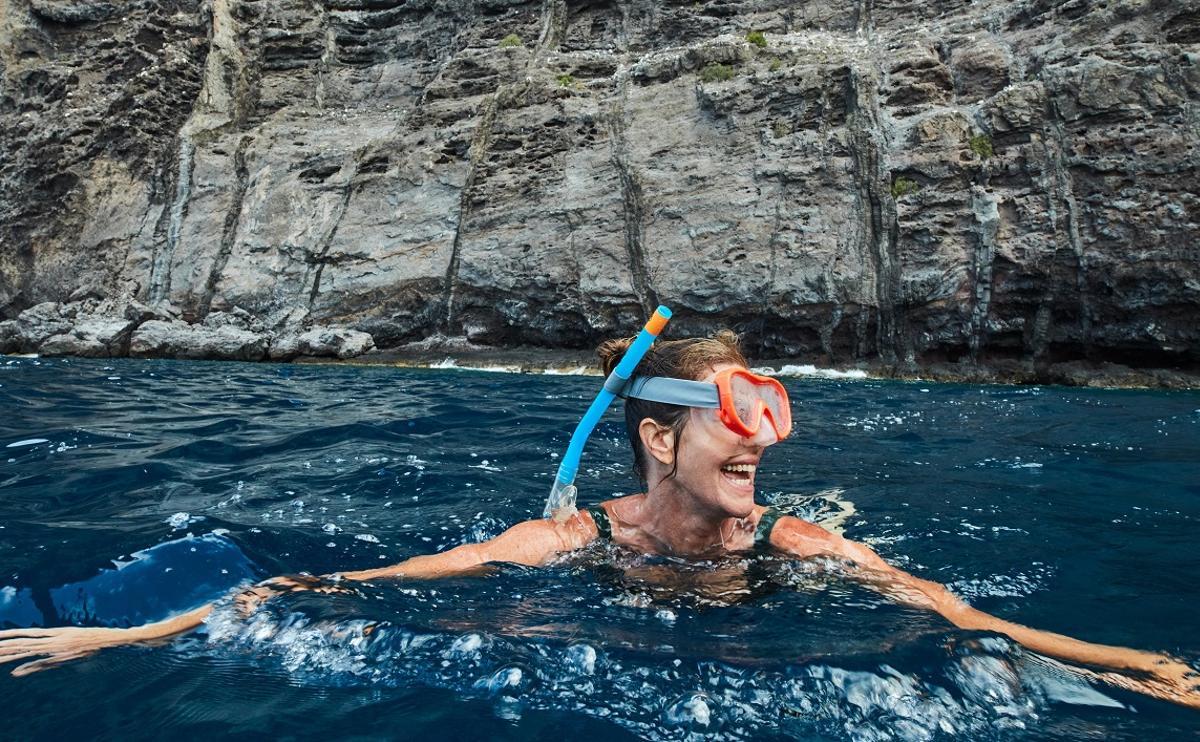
(717, 368)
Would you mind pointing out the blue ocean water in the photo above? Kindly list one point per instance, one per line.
(130, 490)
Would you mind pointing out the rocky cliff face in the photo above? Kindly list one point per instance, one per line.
(889, 180)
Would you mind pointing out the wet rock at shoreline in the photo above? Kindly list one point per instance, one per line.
(92, 337)
(41, 322)
(112, 328)
(178, 339)
(324, 342)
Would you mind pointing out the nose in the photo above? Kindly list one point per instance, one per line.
(766, 435)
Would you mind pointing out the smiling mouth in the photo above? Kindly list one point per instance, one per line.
(740, 474)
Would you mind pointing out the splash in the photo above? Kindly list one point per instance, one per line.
(811, 370)
(451, 364)
(977, 688)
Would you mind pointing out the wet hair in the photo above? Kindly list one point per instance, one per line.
(689, 358)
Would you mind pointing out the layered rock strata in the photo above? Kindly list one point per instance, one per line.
(896, 182)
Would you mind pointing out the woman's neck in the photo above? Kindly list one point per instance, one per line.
(668, 516)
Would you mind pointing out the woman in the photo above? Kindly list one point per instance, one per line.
(699, 464)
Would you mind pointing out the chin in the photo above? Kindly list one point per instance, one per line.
(738, 505)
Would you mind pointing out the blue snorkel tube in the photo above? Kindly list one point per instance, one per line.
(561, 503)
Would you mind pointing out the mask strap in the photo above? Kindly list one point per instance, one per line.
(673, 391)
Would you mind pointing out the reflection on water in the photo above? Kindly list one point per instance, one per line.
(132, 490)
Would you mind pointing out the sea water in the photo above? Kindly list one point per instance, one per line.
(132, 490)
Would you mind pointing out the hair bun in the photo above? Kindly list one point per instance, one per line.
(610, 353)
(729, 339)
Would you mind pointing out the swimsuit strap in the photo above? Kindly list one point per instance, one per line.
(603, 525)
(766, 524)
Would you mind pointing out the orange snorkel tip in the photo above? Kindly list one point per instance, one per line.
(658, 321)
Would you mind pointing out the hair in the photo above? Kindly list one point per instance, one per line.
(689, 358)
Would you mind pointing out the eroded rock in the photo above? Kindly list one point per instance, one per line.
(919, 184)
(92, 337)
(43, 321)
(327, 342)
(177, 339)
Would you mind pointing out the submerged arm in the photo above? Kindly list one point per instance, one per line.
(1144, 672)
(532, 543)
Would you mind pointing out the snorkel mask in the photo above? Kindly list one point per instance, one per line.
(743, 400)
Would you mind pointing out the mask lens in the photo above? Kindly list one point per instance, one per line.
(747, 392)
(781, 410)
(745, 397)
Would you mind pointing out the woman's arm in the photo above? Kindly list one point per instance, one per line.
(531, 543)
(66, 643)
(1146, 672)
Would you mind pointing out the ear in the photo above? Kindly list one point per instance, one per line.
(659, 440)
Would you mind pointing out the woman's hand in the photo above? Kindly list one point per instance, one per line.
(59, 645)
(66, 643)
(1162, 677)
(252, 597)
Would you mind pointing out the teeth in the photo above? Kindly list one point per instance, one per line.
(748, 468)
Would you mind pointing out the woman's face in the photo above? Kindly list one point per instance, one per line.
(716, 465)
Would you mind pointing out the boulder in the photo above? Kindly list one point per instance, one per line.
(43, 321)
(324, 342)
(178, 339)
(10, 338)
(92, 337)
(236, 318)
(139, 312)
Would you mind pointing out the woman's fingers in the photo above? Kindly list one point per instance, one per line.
(18, 656)
(26, 633)
(57, 659)
(12, 650)
(1164, 687)
(39, 645)
(54, 646)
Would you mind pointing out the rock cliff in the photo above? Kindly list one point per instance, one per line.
(886, 180)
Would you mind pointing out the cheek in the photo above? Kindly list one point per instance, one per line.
(706, 441)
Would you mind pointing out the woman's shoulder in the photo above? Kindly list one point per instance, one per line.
(619, 508)
(607, 512)
(794, 535)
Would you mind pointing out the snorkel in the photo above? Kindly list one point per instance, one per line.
(561, 503)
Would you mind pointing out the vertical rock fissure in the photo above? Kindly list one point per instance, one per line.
(987, 219)
(327, 52)
(164, 249)
(879, 226)
(863, 21)
(1064, 193)
(321, 259)
(769, 295)
(233, 219)
(632, 203)
(222, 104)
(554, 18)
(480, 140)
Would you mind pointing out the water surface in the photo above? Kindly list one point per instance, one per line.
(130, 490)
